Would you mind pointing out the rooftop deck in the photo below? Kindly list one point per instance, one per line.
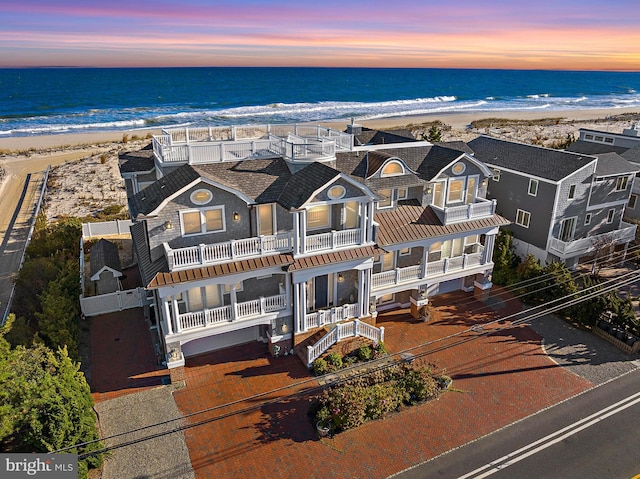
(235, 143)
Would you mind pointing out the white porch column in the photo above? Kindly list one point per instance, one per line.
(363, 300)
(303, 231)
(303, 306)
(296, 233)
(370, 213)
(234, 302)
(176, 313)
(425, 258)
(364, 237)
(297, 311)
(167, 315)
(488, 248)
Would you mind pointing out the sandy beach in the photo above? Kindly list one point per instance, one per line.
(85, 176)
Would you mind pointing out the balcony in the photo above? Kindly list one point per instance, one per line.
(235, 312)
(212, 145)
(208, 254)
(482, 208)
(399, 276)
(332, 240)
(583, 246)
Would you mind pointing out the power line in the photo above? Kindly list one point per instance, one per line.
(593, 291)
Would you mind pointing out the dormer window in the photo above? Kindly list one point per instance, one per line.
(456, 191)
(201, 197)
(393, 168)
(621, 183)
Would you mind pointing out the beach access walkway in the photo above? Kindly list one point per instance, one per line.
(16, 224)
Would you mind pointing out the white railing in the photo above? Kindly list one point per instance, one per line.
(332, 240)
(433, 268)
(481, 208)
(588, 245)
(215, 144)
(238, 311)
(330, 316)
(105, 228)
(112, 302)
(205, 254)
(341, 331)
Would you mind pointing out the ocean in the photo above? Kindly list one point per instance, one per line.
(42, 101)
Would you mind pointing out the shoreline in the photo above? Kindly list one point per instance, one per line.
(458, 121)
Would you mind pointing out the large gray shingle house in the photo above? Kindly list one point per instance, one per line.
(563, 205)
(605, 144)
(271, 233)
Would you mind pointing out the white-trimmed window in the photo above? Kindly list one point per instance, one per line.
(523, 218)
(405, 252)
(533, 187)
(336, 192)
(266, 219)
(496, 175)
(456, 191)
(403, 193)
(633, 199)
(386, 201)
(621, 183)
(572, 192)
(393, 168)
(610, 215)
(587, 219)
(196, 222)
(318, 217)
(458, 168)
(588, 137)
(608, 139)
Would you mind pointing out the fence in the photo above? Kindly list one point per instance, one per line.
(106, 228)
(112, 302)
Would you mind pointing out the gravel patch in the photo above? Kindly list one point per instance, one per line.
(163, 457)
(582, 352)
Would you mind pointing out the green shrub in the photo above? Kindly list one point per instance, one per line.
(379, 350)
(320, 367)
(334, 360)
(365, 353)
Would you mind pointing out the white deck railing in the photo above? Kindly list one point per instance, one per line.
(481, 208)
(211, 145)
(342, 331)
(206, 254)
(587, 245)
(434, 268)
(332, 240)
(238, 311)
(330, 316)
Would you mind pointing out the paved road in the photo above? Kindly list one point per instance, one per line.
(593, 435)
(14, 235)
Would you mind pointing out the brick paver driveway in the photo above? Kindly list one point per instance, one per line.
(497, 380)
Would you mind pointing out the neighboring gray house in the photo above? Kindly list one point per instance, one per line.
(563, 205)
(269, 233)
(105, 268)
(625, 144)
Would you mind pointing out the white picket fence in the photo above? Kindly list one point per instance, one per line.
(112, 302)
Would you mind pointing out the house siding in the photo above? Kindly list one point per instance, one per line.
(511, 193)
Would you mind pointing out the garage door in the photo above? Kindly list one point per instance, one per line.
(220, 341)
(448, 286)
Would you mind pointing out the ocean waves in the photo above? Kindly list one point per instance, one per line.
(240, 96)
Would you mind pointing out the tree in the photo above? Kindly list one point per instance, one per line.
(435, 134)
(505, 259)
(45, 401)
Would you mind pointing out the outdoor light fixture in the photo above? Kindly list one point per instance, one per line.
(236, 216)
(168, 225)
(340, 278)
(284, 328)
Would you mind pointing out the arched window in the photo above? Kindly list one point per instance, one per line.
(393, 168)
(201, 197)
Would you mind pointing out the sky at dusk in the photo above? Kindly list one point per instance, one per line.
(545, 34)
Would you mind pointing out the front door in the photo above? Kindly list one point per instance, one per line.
(321, 291)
